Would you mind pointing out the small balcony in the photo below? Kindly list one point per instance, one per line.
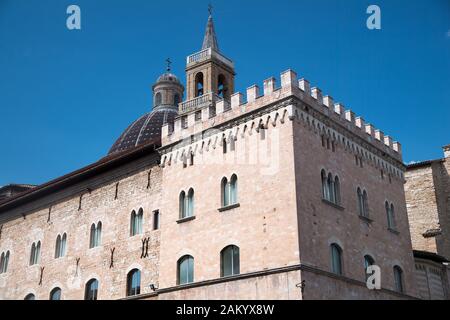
(208, 99)
(207, 54)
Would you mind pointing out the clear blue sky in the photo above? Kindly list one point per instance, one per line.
(65, 96)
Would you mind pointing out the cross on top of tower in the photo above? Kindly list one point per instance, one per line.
(210, 7)
(168, 64)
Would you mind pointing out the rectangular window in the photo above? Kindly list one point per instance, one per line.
(198, 115)
(156, 220)
(184, 122)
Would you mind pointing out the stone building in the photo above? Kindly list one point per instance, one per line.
(427, 191)
(278, 194)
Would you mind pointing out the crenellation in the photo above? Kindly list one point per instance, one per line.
(269, 86)
(289, 79)
(220, 106)
(359, 122)
(237, 99)
(252, 93)
(304, 85)
(388, 141)
(379, 135)
(328, 101)
(370, 130)
(397, 147)
(350, 116)
(339, 109)
(316, 93)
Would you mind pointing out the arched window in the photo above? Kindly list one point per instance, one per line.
(390, 215)
(336, 259)
(225, 192)
(55, 294)
(134, 282)
(185, 270)
(325, 193)
(136, 222)
(91, 290)
(222, 89)
(30, 296)
(229, 191)
(365, 204)
(337, 191)
(158, 99)
(229, 261)
(190, 203)
(368, 261)
(398, 279)
(360, 202)
(199, 84)
(4, 258)
(60, 247)
(96, 235)
(176, 99)
(330, 186)
(233, 189)
(35, 253)
(182, 202)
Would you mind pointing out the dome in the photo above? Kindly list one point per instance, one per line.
(168, 77)
(146, 129)
(167, 93)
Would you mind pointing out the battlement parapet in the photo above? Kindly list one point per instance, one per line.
(210, 110)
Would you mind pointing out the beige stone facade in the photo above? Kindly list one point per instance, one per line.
(277, 143)
(427, 190)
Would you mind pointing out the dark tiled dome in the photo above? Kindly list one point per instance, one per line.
(146, 129)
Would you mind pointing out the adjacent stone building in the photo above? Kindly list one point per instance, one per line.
(276, 194)
(427, 190)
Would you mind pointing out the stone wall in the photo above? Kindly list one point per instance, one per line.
(99, 205)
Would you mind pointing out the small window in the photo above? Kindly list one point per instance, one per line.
(134, 282)
(35, 253)
(191, 158)
(176, 99)
(158, 99)
(55, 294)
(91, 290)
(398, 279)
(229, 261)
(184, 122)
(156, 220)
(337, 191)
(4, 259)
(229, 191)
(198, 115)
(390, 215)
(136, 222)
(185, 270)
(30, 296)
(363, 206)
(325, 190)
(336, 259)
(96, 235)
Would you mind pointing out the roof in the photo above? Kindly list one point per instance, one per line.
(429, 256)
(210, 38)
(145, 128)
(103, 165)
(421, 164)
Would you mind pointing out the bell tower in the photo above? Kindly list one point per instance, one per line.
(208, 71)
